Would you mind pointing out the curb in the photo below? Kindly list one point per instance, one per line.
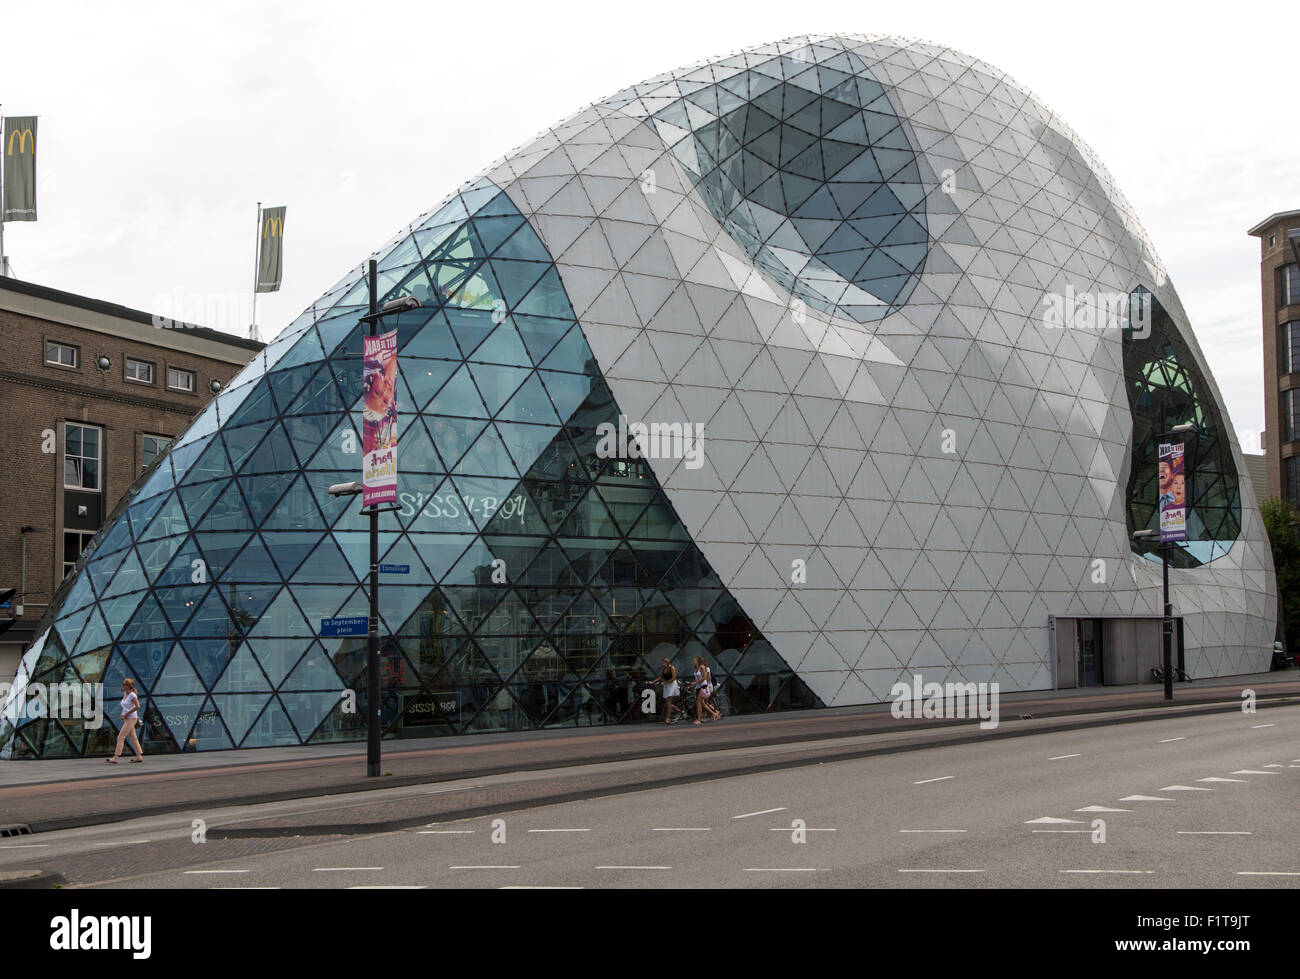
(30, 880)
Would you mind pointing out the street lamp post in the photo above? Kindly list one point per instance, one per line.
(352, 489)
(1167, 619)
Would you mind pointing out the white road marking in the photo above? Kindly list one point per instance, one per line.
(386, 887)
(941, 778)
(1184, 788)
(806, 829)
(1108, 871)
(1051, 819)
(336, 870)
(780, 870)
(1268, 873)
(761, 812)
(559, 831)
(23, 846)
(124, 843)
(1063, 757)
(615, 867)
(928, 870)
(1215, 778)
(1275, 765)
(484, 866)
(1167, 740)
(1251, 771)
(1101, 809)
(1213, 832)
(1254, 726)
(218, 871)
(1144, 798)
(932, 831)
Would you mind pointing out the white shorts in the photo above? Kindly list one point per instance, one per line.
(671, 689)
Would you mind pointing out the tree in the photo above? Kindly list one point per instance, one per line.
(1281, 521)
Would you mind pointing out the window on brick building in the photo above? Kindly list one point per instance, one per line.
(151, 447)
(1288, 353)
(1291, 480)
(180, 380)
(59, 354)
(74, 542)
(139, 370)
(1291, 284)
(82, 456)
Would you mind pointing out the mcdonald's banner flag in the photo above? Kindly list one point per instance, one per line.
(270, 253)
(19, 168)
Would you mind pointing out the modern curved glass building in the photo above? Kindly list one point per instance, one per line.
(895, 291)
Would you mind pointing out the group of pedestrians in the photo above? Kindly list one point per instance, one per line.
(702, 685)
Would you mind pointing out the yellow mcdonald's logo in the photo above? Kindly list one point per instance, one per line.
(23, 136)
(273, 227)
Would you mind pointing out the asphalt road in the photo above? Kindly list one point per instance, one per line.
(1192, 802)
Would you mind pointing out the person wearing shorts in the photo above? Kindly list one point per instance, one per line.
(703, 686)
(672, 690)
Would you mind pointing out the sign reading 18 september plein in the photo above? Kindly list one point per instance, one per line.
(379, 423)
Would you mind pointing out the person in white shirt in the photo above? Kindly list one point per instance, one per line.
(130, 721)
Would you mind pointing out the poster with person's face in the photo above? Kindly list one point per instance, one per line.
(1173, 494)
(379, 423)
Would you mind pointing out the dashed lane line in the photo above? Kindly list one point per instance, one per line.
(1213, 832)
(941, 778)
(761, 812)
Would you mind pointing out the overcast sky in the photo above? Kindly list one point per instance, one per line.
(163, 124)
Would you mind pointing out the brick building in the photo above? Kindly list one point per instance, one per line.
(1279, 272)
(90, 394)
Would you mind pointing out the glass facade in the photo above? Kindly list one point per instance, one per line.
(209, 584)
(809, 169)
(1159, 370)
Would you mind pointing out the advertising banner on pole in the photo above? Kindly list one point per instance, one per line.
(379, 425)
(19, 150)
(270, 255)
(1173, 493)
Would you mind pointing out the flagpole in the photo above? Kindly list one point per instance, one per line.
(4, 260)
(257, 241)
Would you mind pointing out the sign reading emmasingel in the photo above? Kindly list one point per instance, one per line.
(1173, 493)
(379, 425)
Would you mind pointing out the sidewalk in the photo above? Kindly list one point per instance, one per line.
(59, 794)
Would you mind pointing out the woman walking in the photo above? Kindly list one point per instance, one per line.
(668, 677)
(703, 691)
(130, 721)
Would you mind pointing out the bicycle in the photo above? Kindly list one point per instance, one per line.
(1158, 675)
